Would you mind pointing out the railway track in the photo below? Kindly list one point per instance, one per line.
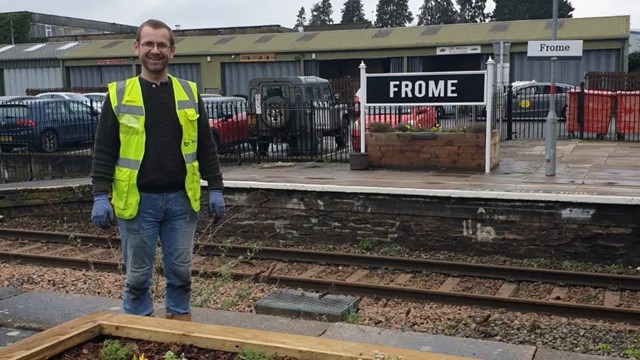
(383, 276)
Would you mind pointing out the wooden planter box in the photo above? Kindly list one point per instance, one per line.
(431, 150)
(60, 338)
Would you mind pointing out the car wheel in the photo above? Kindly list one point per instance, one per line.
(49, 141)
(275, 113)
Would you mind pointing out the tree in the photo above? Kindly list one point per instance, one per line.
(434, 12)
(472, 11)
(21, 23)
(393, 13)
(321, 13)
(507, 10)
(352, 12)
(634, 61)
(301, 20)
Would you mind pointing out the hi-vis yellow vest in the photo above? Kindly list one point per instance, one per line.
(127, 103)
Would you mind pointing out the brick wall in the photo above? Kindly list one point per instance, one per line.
(598, 233)
(465, 151)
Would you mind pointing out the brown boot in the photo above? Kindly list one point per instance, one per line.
(180, 317)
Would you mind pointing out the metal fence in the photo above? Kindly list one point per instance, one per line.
(521, 112)
(56, 140)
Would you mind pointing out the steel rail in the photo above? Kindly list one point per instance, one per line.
(511, 273)
(345, 287)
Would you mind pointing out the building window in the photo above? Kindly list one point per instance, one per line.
(47, 31)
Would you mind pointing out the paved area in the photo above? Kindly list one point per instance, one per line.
(582, 167)
(18, 320)
(599, 171)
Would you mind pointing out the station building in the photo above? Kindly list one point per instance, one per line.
(224, 62)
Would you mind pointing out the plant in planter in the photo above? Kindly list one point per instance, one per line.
(407, 147)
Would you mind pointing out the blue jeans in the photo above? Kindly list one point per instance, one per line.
(170, 217)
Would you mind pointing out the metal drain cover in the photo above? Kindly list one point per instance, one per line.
(307, 305)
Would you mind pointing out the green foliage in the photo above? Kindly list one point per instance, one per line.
(632, 353)
(434, 12)
(21, 27)
(352, 11)
(507, 10)
(368, 244)
(353, 318)
(301, 20)
(171, 356)
(603, 349)
(634, 61)
(251, 354)
(472, 11)
(393, 13)
(321, 13)
(112, 349)
(390, 251)
(380, 127)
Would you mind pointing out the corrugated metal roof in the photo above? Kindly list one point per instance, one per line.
(52, 50)
(614, 27)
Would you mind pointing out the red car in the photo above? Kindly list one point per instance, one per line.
(415, 116)
(227, 120)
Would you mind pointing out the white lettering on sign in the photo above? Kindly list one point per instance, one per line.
(418, 89)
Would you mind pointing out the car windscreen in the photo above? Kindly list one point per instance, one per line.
(77, 97)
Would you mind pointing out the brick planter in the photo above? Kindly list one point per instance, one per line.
(437, 150)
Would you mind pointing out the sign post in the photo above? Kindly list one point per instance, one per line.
(363, 103)
(491, 68)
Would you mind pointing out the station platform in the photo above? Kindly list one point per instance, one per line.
(597, 171)
(19, 319)
(586, 171)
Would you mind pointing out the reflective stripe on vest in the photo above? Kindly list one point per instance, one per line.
(127, 102)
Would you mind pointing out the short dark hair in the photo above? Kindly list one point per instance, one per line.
(156, 24)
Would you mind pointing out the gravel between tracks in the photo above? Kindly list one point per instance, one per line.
(553, 332)
(575, 335)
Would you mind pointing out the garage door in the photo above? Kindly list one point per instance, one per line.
(237, 75)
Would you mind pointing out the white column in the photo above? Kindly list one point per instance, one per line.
(491, 69)
(363, 104)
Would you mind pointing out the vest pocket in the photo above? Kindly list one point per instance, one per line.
(121, 183)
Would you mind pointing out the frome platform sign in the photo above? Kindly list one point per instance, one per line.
(443, 88)
(559, 49)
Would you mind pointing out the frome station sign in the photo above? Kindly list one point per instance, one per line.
(560, 49)
(442, 88)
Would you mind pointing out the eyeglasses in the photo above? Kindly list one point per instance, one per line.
(149, 45)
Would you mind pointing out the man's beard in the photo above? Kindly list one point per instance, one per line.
(155, 67)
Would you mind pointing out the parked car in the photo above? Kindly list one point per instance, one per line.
(227, 120)
(416, 116)
(15, 98)
(531, 100)
(97, 99)
(46, 124)
(298, 110)
(72, 96)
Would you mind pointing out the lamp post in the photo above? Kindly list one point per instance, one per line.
(552, 119)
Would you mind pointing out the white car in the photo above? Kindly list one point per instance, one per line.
(97, 106)
(98, 97)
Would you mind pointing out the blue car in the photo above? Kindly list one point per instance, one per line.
(46, 125)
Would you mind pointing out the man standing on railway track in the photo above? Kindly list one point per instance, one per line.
(152, 145)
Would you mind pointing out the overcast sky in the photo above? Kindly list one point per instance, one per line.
(224, 13)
